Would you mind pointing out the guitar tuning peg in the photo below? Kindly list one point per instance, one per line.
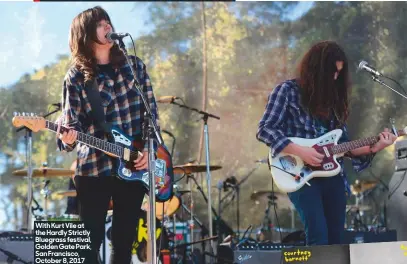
(23, 113)
(15, 113)
(32, 114)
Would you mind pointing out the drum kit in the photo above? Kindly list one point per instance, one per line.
(361, 190)
(175, 232)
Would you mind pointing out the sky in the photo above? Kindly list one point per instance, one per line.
(34, 34)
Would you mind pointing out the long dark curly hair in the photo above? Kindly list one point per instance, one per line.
(320, 92)
(81, 36)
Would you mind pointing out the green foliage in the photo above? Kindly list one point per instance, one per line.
(251, 47)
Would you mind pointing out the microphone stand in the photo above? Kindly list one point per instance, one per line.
(30, 168)
(376, 79)
(236, 189)
(150, 132)
(205, 116)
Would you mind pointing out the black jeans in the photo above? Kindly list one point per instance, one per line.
(94, 195)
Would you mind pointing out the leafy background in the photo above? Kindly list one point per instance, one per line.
(225, 58)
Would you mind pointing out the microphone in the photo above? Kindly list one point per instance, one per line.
(111, 36)
(167, 99)
(363, 65)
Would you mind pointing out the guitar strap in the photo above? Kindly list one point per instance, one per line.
(96, 113)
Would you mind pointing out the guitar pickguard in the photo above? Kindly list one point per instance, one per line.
(163, 170)
(288, 162)
(328, 139)
(119, 138)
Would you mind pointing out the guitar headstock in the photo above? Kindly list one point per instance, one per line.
(31, 121)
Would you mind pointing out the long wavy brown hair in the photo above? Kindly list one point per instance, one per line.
(320, 92)
(82, 35)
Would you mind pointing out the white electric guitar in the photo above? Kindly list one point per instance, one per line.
(290, 173)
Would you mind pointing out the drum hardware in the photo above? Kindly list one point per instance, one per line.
(46, 193)
(274, 199)
(264, 233)
(204, 117)
(185, 245)
(29, 146)
(234, 185)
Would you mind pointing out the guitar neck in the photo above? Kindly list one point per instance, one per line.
(351, 145)
(91, 141)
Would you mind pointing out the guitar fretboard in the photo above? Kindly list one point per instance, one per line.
(90, 140)
(351, 145)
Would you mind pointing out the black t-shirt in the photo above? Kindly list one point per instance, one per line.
(108, 69)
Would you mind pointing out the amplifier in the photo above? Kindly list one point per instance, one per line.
(14, 245)
(401, 155)
(257, 256)
(355, 237)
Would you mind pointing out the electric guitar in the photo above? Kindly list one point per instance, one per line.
(123, 147)
(290, 173)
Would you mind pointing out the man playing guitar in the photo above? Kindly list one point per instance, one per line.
(308, 107)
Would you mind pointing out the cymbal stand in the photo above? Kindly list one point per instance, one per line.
(191, 213)
(232, 182)
(46, 192)
(29, 149)
(385, 188)
(267, 220)
(212, 211)
(357, 221)
(204, 230)
(205, 116)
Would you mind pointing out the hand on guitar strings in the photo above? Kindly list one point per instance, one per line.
(66, 137)
(310, 156)
(386, 138)
(141, 162)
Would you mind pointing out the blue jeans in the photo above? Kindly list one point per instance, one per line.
(322, 208)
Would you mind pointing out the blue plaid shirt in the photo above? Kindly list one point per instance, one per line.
(285, 117)
(121, 103)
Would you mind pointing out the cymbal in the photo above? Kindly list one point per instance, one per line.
(45, 172)
(360, 207)
(193, 168)
(256, 195)
(70, 193)
(362, 186)
(182, 192)
(281, 199)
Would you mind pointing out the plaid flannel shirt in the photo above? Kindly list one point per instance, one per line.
(121, 103)
(285, 117)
